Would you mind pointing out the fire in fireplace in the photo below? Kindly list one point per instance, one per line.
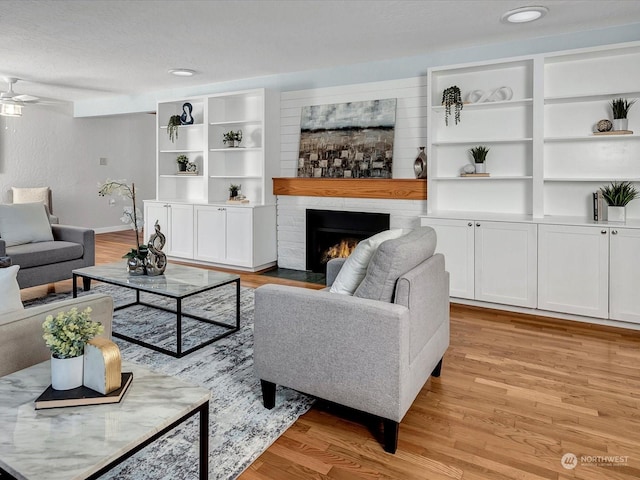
(332, 234)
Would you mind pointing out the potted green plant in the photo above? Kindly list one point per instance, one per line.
(479, 155)
(232, 138)
(620, 108)
(452, 96)
(182, 161)
(172, 127)
(618, 195)
(233, 191)
(66, 335)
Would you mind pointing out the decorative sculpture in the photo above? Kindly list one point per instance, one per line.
(186, 118)
(156, 260)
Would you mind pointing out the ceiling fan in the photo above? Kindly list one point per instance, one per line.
(11, 103)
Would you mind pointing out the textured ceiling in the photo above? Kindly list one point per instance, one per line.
(79, 50)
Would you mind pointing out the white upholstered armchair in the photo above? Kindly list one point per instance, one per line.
(372, 351)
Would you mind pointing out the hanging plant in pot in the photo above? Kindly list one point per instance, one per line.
(66, 335)
(172, 127)
(452, 97)
(479, 155)
(620, 109)
(618, 195)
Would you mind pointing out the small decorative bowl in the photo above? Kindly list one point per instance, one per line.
(604, 125)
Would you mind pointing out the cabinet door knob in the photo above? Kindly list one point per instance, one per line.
(603, 231)
(477, 224)
(614, 232)
(470, 224)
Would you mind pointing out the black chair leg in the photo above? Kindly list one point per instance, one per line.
(390, 435)
(268, 394)
(86, 284)
(436, 371)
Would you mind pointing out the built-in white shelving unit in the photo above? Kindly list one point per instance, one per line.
(525, 236)
(544, 157)
(504, 126)
(192, 206)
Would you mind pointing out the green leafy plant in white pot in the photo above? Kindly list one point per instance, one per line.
(620, 109)
(618, 195)
(232, 139)
(66, 334)
(479, 155)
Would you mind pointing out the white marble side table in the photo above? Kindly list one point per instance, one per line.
(85, 442)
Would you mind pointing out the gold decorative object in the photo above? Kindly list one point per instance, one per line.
(102, 365)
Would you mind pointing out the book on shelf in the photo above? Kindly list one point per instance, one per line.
(599, 207)
(238, 202)
(51, 398)
(474, 175)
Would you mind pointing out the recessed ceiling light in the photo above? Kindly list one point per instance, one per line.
(182, 72)
(524, 14)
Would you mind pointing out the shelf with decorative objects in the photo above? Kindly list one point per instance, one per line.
(547, 119)
(231, 138)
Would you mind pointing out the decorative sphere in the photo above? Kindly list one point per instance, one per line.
(604, 125)
(469, 168)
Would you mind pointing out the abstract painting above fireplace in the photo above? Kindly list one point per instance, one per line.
(347, 140)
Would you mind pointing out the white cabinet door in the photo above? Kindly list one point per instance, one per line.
(573, 269)
(455, 242)
(156, 211)
(240, 236)
(624, 260)
(210, 223)
(506, 263)
(180, 232)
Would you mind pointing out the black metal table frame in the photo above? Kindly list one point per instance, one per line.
(179, 314)
(203, 410)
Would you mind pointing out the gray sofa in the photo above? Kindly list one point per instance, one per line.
(47, 262)
(21, 342)
(373, 351)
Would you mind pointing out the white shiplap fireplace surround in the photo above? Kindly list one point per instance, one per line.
(410, 133)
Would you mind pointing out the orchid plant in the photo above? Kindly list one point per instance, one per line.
(132, 215)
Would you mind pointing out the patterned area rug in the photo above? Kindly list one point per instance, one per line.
(240, 427)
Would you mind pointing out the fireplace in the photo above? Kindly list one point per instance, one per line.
(338, 230)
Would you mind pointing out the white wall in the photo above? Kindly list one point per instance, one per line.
(410, 133)
(48, 147)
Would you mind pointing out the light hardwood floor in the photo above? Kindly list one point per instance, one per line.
(517, 392)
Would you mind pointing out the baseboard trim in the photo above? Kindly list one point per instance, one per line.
(117, 228)
(549, 314)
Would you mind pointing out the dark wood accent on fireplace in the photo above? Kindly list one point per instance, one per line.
(396, 188)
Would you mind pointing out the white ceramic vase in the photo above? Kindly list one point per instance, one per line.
(480, 168)
(620, 123)
(616, 214)
(66, 373)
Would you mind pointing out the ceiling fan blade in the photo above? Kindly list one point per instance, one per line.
(26, 98)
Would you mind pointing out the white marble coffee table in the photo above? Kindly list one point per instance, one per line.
(178, 282)
(85, 442)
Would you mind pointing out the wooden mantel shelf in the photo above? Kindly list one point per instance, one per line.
(386, 188)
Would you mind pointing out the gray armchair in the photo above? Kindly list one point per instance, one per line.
(373, 351)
